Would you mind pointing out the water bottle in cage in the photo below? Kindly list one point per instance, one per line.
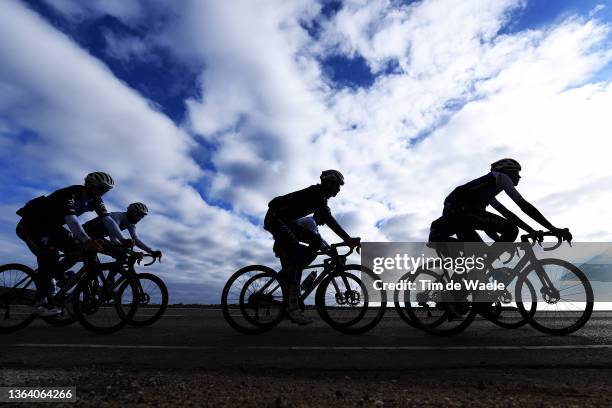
(307, 283)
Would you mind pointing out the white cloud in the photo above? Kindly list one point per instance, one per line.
(85, 119)
(596, 9)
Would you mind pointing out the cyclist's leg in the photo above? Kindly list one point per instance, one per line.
(293, 270)
(495, 226)
(70, 246)
(41, 245)
(287, 248)
(441, 230)
(115, 251)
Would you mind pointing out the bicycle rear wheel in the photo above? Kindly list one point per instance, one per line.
(261, 301)
(428, 306)
(563, 307)
(152, 299)
(252, 300)
(402, 305)
(17, 297)
(344, 302)
(101, 307)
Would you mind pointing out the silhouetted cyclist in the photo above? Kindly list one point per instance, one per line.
(465, 212)
(282, 222)
(465, 209)
(125, 220)
(42, 229)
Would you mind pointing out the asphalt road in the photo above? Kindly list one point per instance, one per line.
(200, 338)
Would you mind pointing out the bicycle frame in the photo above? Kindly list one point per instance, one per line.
(330, 265)
(528, 259)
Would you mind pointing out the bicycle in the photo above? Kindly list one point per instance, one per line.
(254, 298)
(152, 291)
(531, 278)
(92, 297)
(500, 310)
(430, 310)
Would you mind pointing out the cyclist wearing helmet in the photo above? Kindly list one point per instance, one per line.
(282, 222)
(98, 229)
(42, 228)
(465, 209)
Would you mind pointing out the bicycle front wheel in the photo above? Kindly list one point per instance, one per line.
(344, 302)
(17, 297)
(101, 307)
(563, 295)
(152, 299)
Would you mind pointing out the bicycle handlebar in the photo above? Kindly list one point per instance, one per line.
(153, 259)
(538, 237)
(137, 257)
(333, 251)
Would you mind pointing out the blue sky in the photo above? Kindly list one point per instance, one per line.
(207, 111)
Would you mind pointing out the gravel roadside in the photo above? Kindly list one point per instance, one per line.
(114, 387)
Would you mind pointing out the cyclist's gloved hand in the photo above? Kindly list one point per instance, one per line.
(354, 242)
(157, 254)
(127, 243)
(539, 236)
(93, 245)
(564, 234)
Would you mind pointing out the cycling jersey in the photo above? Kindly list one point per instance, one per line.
(464, 211)
(41, 227)
(479, 193)
(53, 209)
(97, 228)
(301, 203)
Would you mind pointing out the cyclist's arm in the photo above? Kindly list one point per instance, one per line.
(114, 232)
(506, 213)
(331, 222)
(523, 204)
(137, 241)
(536, 215)
(76, 228)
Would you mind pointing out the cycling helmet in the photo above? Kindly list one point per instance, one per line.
(138, 209)
(99, 179)
(333, 175)
(505, 164)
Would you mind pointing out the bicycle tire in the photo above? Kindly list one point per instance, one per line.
(140, 319)
(437, 326)
(352, 326)
(231, 303)
(539, 318)
(265, 302)
(401, 310)
(16, 302)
